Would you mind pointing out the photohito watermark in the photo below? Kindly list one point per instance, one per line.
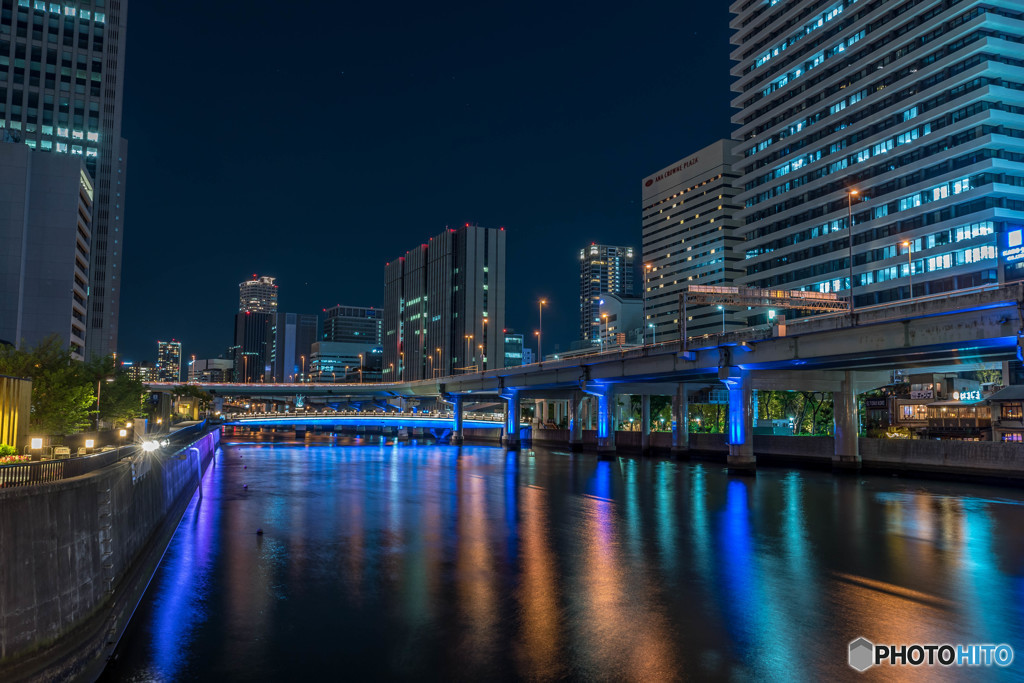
(864, 654)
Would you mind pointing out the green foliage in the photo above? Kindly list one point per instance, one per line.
(6, 450)
(120, 396)
(62, 395)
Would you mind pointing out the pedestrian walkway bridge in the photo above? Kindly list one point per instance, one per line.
(423, 420)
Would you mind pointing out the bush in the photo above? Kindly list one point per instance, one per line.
(7, 450)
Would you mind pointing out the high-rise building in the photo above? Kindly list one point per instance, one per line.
(354, 324)
(345, 362)
(144, 371)
(898, 120)
(46, 206)
(293, 337)
(513, 349)
(211, 370)
(254, 330)
(444, 306)
(602, 269)
(61, 85)
(168, 361)
(690, 238)
(258, 295)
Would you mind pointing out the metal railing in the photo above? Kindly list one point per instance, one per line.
(30, 473)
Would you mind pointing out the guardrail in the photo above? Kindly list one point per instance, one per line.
(30, 473)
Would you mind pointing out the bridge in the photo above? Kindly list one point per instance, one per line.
(439, 424)
(842, 353)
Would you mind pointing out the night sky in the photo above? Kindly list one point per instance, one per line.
(315, 141)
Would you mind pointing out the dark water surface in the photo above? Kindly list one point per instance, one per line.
(438, 562)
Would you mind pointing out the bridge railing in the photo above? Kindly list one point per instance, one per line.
(30, 473)
(443, 415)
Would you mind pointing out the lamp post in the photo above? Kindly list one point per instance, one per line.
(604, 317)
(849, 226)
(469, 345)
(360, 368)
(302, 376)
(536, 333)
(910, 265)
(722, 309)
(647, 269)
(480, 362)
(401, 366)
(654, 333)
(540, 325)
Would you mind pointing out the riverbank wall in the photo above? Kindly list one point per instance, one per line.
(78, 554)
(984, 459)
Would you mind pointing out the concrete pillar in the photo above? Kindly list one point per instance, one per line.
(740, 427)
(590, 413)
(606, 420)
(576, 422)
(457, 435)
(847, 425)
(513, 417)
(645, 423)
(680, 422)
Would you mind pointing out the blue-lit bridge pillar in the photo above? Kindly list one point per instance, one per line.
(457, 436)
(576, 421)
(847, 425)
(680, 422)
(605, 395)
(513, 418)
(742, 408)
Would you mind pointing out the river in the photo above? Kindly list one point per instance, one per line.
(404, 561)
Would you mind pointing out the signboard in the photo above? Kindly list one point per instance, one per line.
(966, 395)
(1011, 253)
(922, 394)
(875, 403)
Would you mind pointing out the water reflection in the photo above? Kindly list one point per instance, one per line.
(381, 560)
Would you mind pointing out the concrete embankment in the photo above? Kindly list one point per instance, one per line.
(983, 459)
(78, 554)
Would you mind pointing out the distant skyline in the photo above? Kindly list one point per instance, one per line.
(314, 147)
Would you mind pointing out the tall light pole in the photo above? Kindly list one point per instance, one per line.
(469, 345)
(480, 362)
(401, 366)
(910, 265)
(654, 333)
(849, 226)
(647, 269)
(536, 333)
(604, 317)
(483, 338)
(722, 309)
(302, 376)
(540, 325)
(360, 368)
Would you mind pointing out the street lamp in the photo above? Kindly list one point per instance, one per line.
(360, 368)
(654, 333)
(302, 375)
(910, 265)
(540, 324)
(469, 345)
(849, 226)
(481, 360)
(647, 269)
(604, 317)
(536, 333)
(722, 309)
(401, 365)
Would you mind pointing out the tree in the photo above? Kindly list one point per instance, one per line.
(62, 394)
(120, 396)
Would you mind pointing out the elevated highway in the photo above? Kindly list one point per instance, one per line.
(841, 353)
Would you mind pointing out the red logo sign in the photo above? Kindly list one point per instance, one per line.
(649, 183)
